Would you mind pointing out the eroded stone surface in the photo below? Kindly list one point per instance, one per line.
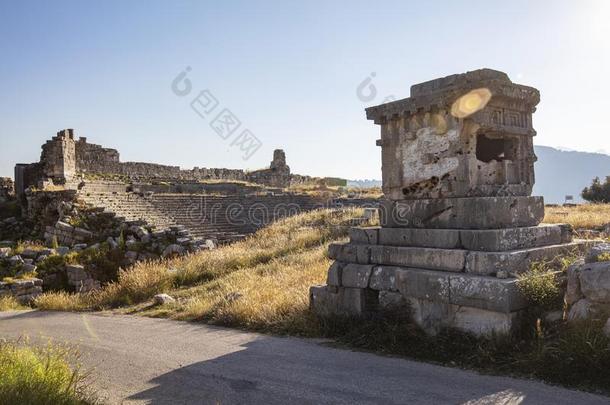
(436, 259)
(459, 136)
(463, 213)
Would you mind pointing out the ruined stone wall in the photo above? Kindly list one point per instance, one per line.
(278, 174)
(63, 158)
(59, 156)
(91, 158)
(27, 175)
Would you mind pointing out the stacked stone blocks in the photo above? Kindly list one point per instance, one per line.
(458, 225)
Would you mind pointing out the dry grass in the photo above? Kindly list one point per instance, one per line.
(10, 304)
(264, 271)
(41, 375)
(586, 216)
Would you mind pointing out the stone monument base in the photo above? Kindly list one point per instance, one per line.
(460, 278)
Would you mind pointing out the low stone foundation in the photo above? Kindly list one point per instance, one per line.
(24, 291)
(450, 285)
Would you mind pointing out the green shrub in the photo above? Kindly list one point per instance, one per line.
(40, 376)
(540, 286)
(597, 192)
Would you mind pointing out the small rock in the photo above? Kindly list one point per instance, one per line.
(502, 274)
(62, 226)
(580, 311)
(41, 258)
(112, 243)
(162, 299)
(209, 244)
(596, 251)
(15, 260)
(28, 268)
(80, 246)
(131, 256)
(47, 252)
(183, 241)
(28, 261)
(173, 250)
(29, 253)
(5, 252)
(233, 296)
(63, 250)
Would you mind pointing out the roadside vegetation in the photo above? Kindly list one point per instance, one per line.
(41, 375)
(9, 303)
(262, 284)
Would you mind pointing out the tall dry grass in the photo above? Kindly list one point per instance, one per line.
(297, 243)
(587, 216)
(41, 375)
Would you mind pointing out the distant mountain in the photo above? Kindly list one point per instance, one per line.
(560, 173)
(364, 183)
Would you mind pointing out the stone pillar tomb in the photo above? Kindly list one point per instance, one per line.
(458, 223)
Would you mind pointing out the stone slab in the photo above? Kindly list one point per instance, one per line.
(472, 239)
(462, 213)
(356, 275)
(518, 261)
(334, 274)
(331, 301)
(412, 237)
(515, 238)
(349, 253)
(484, 323)
(488, 293)
(428, 258)
(364, 235)
(384, 278)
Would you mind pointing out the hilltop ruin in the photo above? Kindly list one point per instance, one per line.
(65, 160)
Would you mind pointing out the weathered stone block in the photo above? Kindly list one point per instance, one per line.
(356, 275)
(516, 261)
(573, 292)
(598, 251)
(392, 300)
(595, 281)
(462, 213)
(486, 293)
(76, 273)
(384, 278)
(364, 235)
(345, 301)
(482, 322)
(496, 240)
(334, 274)
(349, 253)
(428, 258)
(432, 316)
(425, 284)
(411, 237)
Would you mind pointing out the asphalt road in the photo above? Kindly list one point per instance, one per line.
(156, 361)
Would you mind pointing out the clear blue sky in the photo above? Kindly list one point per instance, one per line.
(289, 71)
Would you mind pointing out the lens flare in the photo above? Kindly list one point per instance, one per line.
(471, 102)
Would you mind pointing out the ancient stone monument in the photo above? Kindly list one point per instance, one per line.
(458, 223)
